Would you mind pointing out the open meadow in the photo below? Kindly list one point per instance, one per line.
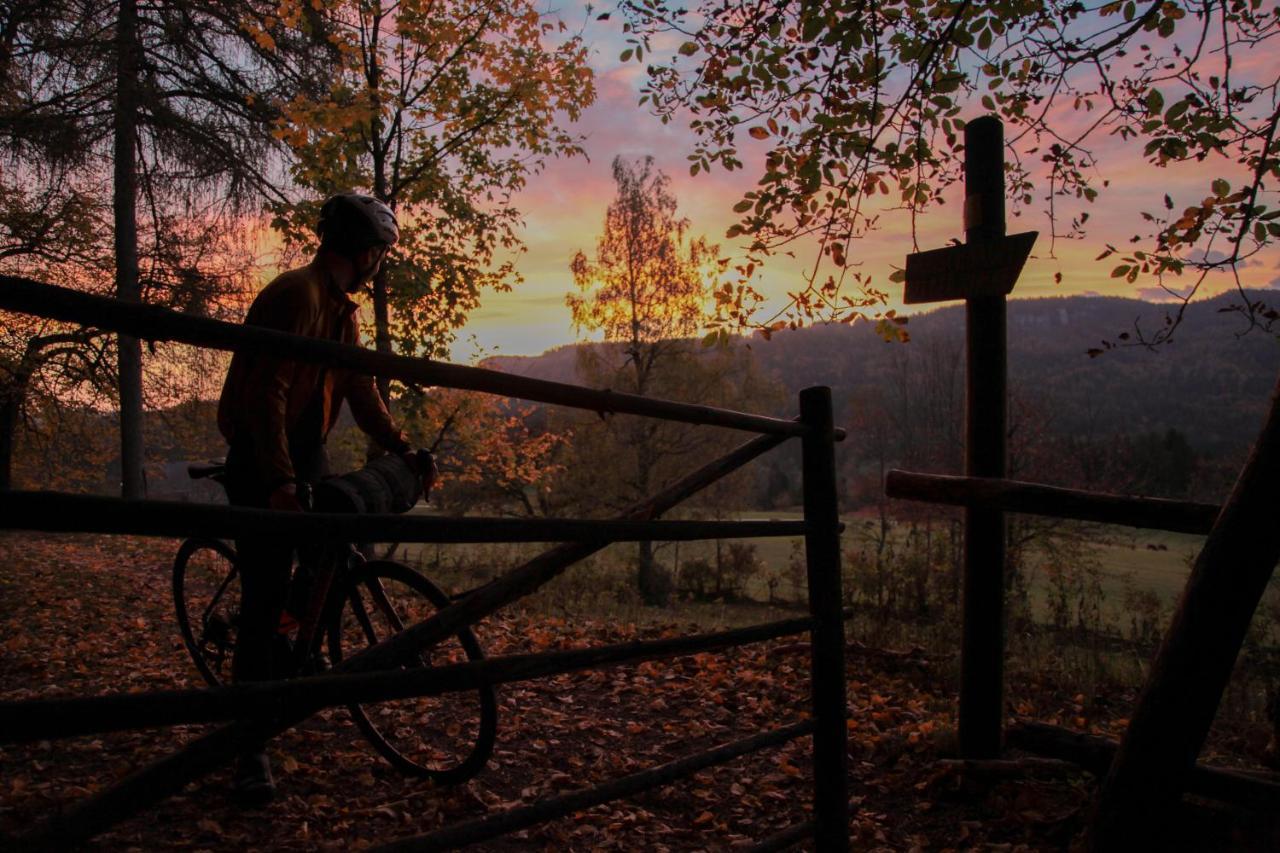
(1126, 560)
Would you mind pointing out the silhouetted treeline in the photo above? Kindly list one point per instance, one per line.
(1175, 422)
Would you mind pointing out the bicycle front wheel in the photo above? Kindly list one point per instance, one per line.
(445, 738)
(206, 595)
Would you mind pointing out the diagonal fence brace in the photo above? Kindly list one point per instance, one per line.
(207, 753)
(501, 823)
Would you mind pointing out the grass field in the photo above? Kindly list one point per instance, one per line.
(1126, 559)
(1130, 589)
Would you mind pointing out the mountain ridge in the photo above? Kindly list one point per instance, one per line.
(1210, 382)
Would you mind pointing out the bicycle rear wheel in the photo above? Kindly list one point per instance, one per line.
(444, 738)
(206, 595)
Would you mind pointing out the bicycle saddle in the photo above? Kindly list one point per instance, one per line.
(212, 468)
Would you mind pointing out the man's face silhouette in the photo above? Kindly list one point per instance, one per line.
(365, 266)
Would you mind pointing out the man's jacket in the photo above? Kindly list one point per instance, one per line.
(264, 398)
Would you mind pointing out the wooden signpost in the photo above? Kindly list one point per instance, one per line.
(981, 272)
(968, 271)
(1156, 759)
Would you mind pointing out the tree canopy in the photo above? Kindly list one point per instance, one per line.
(443, 111)
(649, 281)
(861, 107)
(181, 120)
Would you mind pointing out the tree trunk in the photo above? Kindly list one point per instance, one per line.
(654, 581)
(650, 579)
(10, 401)
(1181, 697)
(382, 328)
(132, 484)
(378, 152)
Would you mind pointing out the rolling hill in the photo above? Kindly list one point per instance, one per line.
(1211, 382)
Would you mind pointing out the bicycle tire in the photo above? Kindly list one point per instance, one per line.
(207, 584)
(401, 731)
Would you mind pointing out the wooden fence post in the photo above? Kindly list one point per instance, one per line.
(822, 555)
(982, 646)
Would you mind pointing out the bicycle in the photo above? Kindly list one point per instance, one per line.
(357, 603)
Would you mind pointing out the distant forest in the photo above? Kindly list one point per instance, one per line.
(1175, 421)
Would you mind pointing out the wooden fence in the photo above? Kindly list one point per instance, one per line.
(1156, 760)
(262, 710)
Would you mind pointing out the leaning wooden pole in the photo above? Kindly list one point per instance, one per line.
(822, 553)
(83, 820)
(1176, 707)
(153, 323)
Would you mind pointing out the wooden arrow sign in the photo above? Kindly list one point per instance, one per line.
(981, 268)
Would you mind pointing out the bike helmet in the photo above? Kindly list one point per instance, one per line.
(351, 222)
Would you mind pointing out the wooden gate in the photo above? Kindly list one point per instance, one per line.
(265, 709)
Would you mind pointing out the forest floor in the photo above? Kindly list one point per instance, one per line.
(82, 615)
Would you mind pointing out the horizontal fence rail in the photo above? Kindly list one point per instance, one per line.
(56, 512)
(153, 323)
(42, 719)
(149, 785)
(502, 823)
(785, 838)
(1036, 499)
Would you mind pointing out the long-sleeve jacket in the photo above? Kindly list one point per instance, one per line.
(264, 398)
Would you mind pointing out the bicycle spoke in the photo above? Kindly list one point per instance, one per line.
(362, 617)
(379, 594)
(217, 597)
(446, 738)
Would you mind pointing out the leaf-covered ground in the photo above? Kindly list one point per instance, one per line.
(83, 615)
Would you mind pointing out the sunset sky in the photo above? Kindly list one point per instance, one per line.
(564, 209)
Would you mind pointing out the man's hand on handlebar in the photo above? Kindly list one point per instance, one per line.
(424, 463)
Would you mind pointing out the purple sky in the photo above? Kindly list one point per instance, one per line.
(564, 209)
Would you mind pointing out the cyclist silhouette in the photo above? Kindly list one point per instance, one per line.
(275, 414)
